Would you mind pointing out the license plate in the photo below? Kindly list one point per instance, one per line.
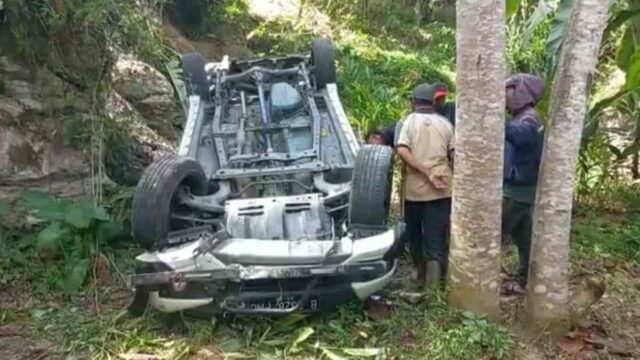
(284, 303)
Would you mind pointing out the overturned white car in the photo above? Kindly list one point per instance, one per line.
(271, 205)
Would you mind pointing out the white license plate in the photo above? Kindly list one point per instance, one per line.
(284, 303)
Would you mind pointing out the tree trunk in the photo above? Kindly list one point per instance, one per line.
(548, 291)
(635, 174)
(474, 259)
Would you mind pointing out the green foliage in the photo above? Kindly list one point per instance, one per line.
(426, 330)
(595, 164)
(618, 20)
(12, 256)
(375, 84)
(74, 232)
(24, 46)
(174, 72)
(512, 7)
(38, 26)
(199, 18)
(601, 236)
(118, 201)
(376, 72)
(526, 39)
(633, 72)
(593, 116)
(626, 49)
(557, 33)
(286, 34)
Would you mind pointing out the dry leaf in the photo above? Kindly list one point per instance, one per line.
(572, 344)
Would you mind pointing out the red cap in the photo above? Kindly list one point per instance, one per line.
(439, 93)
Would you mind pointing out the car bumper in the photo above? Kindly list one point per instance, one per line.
(328, 297)
(355, 270)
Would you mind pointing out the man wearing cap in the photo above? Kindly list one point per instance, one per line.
(444, 107)
(425, 144)
(387, 135)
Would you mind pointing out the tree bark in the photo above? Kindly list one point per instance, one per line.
(547, 299)
(635, 174)
(474, 259)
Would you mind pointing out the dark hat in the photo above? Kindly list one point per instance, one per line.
(428, 92)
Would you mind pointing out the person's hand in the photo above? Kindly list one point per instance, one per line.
(438, 181)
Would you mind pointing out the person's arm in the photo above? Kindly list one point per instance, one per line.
(407, 156)
(519, 133)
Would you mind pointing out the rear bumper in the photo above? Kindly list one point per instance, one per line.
(328, 297)
(353, 272)
(182, 278)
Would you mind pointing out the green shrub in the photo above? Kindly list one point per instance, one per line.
(375, 84)
(39, 28)
(599, 235)
(75, 233)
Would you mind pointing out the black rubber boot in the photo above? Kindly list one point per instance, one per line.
(421, 269)
(433, 274)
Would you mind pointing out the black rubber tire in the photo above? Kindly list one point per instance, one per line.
(371, 186)
(323, 61)
(195, 77)
(154, 197)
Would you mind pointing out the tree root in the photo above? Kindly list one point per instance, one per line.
(584, 297)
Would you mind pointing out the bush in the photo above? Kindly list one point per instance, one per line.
(42, 28)
(74, 234)
(375, 85)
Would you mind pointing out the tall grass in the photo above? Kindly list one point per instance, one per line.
(380, 58)
(375, 84)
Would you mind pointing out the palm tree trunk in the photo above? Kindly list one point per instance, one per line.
(474, 260)
(548, 291)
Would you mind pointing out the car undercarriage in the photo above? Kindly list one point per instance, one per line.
(270, 205)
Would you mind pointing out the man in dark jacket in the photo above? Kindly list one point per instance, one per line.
(444, 107)
(524, 139)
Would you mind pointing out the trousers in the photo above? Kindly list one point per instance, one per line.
(428, 229)
(516, 226)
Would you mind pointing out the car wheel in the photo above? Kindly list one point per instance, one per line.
(322, 59)
(195, 77)
(156, 198)
(371, 186)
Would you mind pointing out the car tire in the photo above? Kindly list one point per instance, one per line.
(194, 74)
(323, 61)
(371, 186)
(155, 197)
